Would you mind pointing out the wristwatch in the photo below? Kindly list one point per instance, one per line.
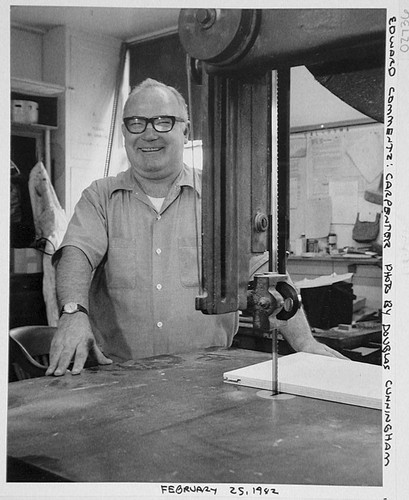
(72, 308)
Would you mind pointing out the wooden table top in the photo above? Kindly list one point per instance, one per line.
(173, 419)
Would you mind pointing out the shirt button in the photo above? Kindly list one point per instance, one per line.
(158, 251)
(159, 286)
(159, 324)
(158, 217)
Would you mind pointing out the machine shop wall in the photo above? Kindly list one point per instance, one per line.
(86, 66)
(26, 60)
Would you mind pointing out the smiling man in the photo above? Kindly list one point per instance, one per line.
(127, 269)
(155, 149)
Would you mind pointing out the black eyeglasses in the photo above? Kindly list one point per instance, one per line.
(138, 124)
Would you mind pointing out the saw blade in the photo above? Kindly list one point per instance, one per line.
(273, 243)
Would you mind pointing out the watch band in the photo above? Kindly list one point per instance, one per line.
(72, 308)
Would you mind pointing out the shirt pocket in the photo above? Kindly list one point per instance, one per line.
(188, 261)
(120, 267)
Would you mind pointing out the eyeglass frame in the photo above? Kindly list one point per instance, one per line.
(151, 121)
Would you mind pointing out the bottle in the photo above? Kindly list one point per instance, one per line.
(300, 245)
(303, 243)
(332, 241)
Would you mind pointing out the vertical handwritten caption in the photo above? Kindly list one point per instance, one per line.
(388, 212)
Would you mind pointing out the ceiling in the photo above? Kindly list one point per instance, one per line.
(129, 24)
(124, 23)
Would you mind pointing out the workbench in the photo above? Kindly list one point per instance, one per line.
(173, 419)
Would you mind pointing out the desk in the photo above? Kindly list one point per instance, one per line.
(336, 263)
(173, 419)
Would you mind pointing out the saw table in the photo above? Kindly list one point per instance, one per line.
(173, 419)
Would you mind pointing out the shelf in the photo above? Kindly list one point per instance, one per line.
(31, 87)
(17, 126)
(47, 112)
(45, 94)
(351, 259)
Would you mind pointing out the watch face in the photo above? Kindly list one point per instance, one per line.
(71, 307)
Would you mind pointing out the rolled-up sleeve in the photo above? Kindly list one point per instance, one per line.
(87, 229)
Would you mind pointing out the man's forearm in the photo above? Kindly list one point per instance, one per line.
(73, 276)
(297, 331)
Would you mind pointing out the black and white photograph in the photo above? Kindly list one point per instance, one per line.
(205, 257)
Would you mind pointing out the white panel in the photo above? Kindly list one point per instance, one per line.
(313, 105)
(315, 376)
(93, 67)
(25, 54)
(93, 72)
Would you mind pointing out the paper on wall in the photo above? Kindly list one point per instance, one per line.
(344, 195)
(366, 154)
(318, 217)
(298, 147)
(326, 161)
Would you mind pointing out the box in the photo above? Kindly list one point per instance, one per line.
(23, 111)
(26, 261)
(328, 306)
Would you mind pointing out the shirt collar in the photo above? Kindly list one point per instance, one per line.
(186, 178)
(125, 180)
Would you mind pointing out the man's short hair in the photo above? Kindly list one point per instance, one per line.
(151, 83)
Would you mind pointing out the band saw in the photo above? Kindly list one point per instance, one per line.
(242, 58)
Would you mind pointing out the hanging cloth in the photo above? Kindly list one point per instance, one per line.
(50, 224)
(15, 194)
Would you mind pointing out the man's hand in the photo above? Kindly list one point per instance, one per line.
(74, 338)
(315, 347)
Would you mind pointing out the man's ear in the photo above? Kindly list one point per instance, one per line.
(186, 132)
(123, 128)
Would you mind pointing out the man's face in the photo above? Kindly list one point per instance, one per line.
(155, 155)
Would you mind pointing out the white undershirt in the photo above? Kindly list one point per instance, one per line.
(157, 202)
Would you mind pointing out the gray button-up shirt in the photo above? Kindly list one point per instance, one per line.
(142, 296)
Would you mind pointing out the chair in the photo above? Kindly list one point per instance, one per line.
(29, 348)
